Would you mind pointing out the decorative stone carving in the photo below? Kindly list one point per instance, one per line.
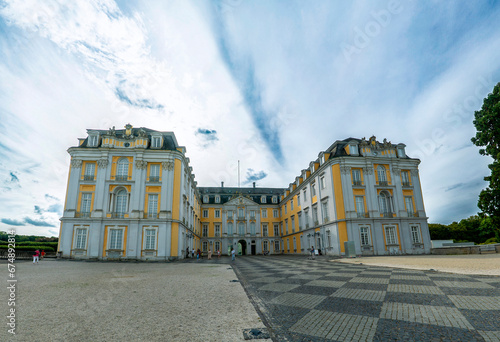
(345, 170)
(167, 165)
(396, 169)
(102, 163)
(368, 170)
(142, 133)
(112, 132)
(76, 163)
(141, 164)
(414, 173)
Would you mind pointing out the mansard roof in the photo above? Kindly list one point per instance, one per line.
(228, 193)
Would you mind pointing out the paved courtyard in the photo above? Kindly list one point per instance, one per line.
(318, 300)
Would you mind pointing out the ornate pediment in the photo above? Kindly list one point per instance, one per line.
(241, 200)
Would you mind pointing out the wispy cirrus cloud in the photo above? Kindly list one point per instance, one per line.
(254, 176)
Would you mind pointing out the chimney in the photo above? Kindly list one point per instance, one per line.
(254, 185)
(221, 184)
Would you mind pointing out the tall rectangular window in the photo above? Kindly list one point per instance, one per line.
(275, 213)
(241, 228)
(364, 234)
(230, 228)
(291, 204)
(156, 142)
(241, 212)
(205, 213)
(324, 207)
(252, 228)
(150, 239)
(264, 213)
(81, 238)
(230, 214)
(356, 177)
(153, 205)
(115, 238)
(217, 213)
(315, 215)
(276, 230)
(86, 203)
(298, 199)
(286, 208)
(252, 214)
(286, 226)
(204, 231)
(415, 234)
(405, 178)
(89, 171)
(265, 245)
(306, 218)
(293, 224)
(409, 205)
(313, 189)
(390, 235)
(154, 173)
(264, 230)
(217, 230)
(300, 220)
(360, 205)
(305, 195)
(322, 182)
(276, 245)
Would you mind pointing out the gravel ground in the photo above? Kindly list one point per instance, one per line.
(96, 301)
(481, 264)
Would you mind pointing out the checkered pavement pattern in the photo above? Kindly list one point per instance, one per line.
(319, 300)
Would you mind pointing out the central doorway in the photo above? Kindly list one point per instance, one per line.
(242, 247)
(252, 248)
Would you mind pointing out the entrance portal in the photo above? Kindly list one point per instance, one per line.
(252, 248)
(242, 247)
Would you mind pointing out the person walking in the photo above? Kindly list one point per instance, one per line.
(312, 252)
(218, 254)
(209, 254)
(233, 253)
(42, 255)
(36, 256)
(192, 253)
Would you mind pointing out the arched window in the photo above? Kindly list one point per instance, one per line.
(121, 203)
(241, 228)
(122, 169)
(385, 203)
(382, 177)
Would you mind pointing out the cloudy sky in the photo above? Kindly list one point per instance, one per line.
(270, 83)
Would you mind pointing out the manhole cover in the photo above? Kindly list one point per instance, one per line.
(256, 334)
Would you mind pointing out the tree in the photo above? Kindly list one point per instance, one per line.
(487, 123)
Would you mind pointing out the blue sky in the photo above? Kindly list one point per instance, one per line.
(269, 83)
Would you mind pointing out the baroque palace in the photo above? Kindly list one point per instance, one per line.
(132, 195)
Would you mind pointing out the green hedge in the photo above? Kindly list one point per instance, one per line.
(36, 243)
(31, 248)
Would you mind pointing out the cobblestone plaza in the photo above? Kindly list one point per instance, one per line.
(318, 300)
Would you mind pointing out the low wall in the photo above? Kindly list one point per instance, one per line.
(479, 249)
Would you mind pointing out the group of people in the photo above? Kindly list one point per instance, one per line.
(199, 254)
(38, 255)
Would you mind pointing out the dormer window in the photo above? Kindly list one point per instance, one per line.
(275, 199)
(263, 199)
(93, 140)
(353, 149)
(217, 199)
(156, 142)
(205, 199)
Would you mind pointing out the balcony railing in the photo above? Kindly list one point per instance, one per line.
(88, 177)
(363, 214)
(154, 179)
(412, 214)
(121, 177)
(118, 215)
(151, 215)
(357, 182)
(387, 214)
(82, 214)
(406, 183)
(383, 183)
